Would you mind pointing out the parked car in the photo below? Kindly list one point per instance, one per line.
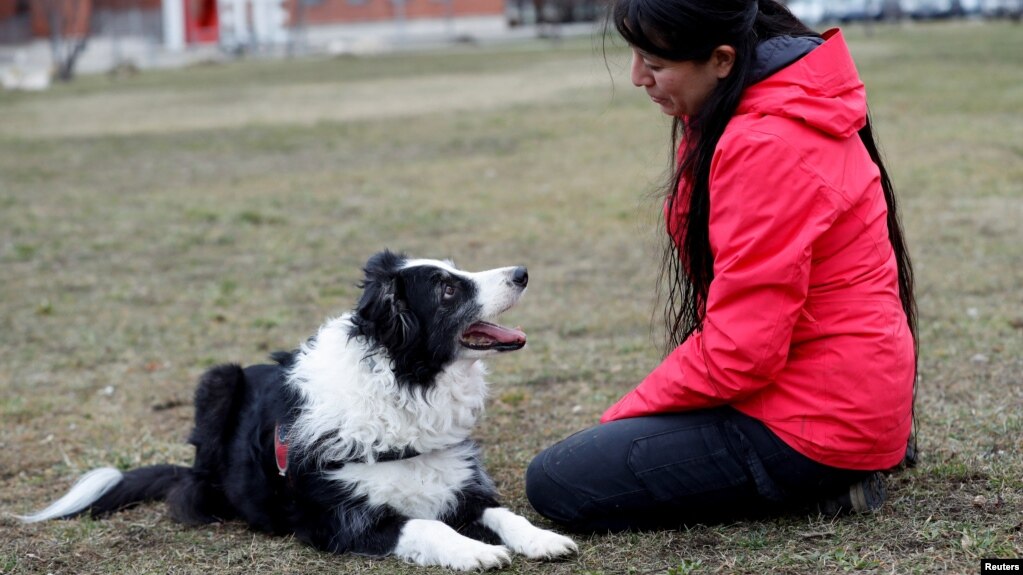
(810, 12)
(813, 12)
(929, 9)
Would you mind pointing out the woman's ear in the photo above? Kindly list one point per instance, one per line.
(721, 60)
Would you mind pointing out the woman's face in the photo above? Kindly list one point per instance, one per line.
(679, 87)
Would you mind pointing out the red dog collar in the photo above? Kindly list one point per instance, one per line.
(281, 453)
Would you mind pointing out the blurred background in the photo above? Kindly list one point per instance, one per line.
(43, 40)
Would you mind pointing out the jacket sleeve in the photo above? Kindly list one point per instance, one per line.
(766, 208)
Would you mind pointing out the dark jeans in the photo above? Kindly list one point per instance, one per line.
(668, 470)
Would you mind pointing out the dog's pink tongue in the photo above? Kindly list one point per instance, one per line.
(499, 334)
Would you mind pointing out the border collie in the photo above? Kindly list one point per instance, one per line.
(359, 440)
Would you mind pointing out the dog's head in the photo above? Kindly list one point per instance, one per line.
(427, 314)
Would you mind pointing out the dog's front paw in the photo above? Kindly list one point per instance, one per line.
(525, 538)
(471, 555)
(426, 542)
(543, 544)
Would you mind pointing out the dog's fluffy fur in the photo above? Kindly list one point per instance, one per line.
(400, 374)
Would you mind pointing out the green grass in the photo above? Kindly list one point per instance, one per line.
(153, 226)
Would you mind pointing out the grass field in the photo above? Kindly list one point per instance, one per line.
(153, 226)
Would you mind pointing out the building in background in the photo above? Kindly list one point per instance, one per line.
(43, 39)
(244, 24)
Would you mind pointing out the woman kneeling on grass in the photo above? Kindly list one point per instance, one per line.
(790, 304)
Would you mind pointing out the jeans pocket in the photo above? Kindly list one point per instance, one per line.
(688, 462)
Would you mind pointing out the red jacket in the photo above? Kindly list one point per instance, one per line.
(804, 329)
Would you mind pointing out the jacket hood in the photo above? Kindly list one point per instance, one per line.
(775, 53)
(822, 88)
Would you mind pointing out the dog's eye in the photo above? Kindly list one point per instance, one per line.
(449, 291)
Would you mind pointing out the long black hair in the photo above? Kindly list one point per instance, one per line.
(679, 30)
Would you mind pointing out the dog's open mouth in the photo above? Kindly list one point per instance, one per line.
(484, 335)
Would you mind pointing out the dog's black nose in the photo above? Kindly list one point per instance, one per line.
(520, 276)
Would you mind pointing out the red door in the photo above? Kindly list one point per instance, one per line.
(202, 26)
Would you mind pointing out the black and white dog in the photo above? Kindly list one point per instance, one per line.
(359, 440)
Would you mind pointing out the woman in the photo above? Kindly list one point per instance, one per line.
(790, 296)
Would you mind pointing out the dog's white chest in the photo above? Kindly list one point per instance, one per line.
(423, 487)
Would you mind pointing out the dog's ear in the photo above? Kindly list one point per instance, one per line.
(383, 314)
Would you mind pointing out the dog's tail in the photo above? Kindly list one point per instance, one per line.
(106, 490)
